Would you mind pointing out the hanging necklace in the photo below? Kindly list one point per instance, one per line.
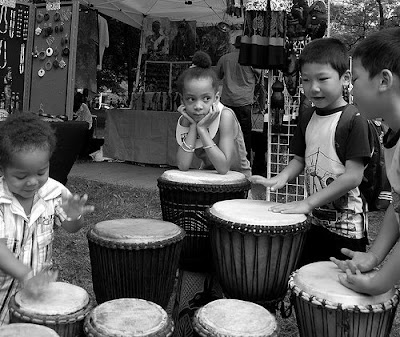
(3, 46)
(3, 13)
(12, 24)
(22, 59)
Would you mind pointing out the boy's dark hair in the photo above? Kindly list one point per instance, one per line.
(201, 69)
(329, 50)
(380, 50)
(24, 131)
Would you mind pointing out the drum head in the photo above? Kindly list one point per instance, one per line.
(59, 298)
(253, 212)
(137, 231)
(129, 317)
(26, 330)
(204, 177)
(320, 279)
(230, 317)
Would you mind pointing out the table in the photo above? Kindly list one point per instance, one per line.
(141, 136)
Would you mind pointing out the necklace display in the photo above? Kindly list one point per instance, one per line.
(22, 59)
(3, 16)
(12, 24)
(3, 50)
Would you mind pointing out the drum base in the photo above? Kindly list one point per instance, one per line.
(193, 291)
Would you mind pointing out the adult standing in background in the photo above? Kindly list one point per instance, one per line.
(238, 90)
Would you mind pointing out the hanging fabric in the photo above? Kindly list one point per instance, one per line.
(263, 40)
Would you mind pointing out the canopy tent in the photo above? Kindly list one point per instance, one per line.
(132, 12)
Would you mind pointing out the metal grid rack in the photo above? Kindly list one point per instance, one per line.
(278, 154)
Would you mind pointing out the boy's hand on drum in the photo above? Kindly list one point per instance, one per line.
(274, 183)
(356, 281)
(35, 286)
(358, 261)
(182, 111)
(295, 207)
(75, 206)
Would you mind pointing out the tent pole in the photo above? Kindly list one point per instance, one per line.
(139, 61)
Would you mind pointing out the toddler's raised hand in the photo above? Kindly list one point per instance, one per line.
(75, 206)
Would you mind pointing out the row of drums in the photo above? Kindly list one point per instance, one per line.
(208, 226)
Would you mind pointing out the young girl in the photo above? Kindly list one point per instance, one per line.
(207, 129)
(30, 204)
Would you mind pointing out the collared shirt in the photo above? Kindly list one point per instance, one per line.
(30, 237)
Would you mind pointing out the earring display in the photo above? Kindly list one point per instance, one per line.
(3, 19)
(3, 52)
(22, 59)
(11, 28)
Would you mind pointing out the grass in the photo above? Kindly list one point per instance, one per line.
(71, 253)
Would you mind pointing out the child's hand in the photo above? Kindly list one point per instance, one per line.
(74, 206)
(209, 118)
(295, 207)
(37, 285)
(357, 281)
(359, 261)
(274, 183)
(182, 111)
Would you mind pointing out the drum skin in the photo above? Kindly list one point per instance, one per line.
(65, 324)
(185, 202)
(332, 314)
(253, 262)
(26, 330)
(133, 269)
(128, 317)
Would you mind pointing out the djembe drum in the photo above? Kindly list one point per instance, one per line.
(26, 330)
(255, 250)
(234, 318)
(185, 196)
(325, 308)
(130, 317)
(63, 308)
(134, 258)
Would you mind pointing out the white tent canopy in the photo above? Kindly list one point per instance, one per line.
(132, 12)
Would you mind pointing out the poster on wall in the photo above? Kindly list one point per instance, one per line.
(183, 39)
(156, 40)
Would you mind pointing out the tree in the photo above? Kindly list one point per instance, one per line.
(352, 20)
(120, 58)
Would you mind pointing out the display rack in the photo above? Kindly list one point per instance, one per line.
(161, 76)
(278, 154)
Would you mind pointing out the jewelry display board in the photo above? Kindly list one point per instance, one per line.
(162, 75)
(52, 59)
(14, 24)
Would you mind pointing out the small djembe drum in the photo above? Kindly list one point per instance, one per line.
(234, 318)
(26, 330)
(134, 258)
(326, 308)
(185, 196)
(255, 250)
(128, 317)
(62, 307)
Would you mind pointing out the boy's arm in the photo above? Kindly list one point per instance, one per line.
(11, 265)
(350, 179)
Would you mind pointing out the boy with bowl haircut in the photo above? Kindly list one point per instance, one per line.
(376, 90)
(334, 200)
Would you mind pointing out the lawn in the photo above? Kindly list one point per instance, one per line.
(71, 254)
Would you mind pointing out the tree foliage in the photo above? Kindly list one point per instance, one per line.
(353, 20)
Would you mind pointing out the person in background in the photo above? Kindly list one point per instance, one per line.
(376, 90)
(207, 129)
(334, 201)
(30, 204)
(155, 42)
(81, 110)
(238, 83)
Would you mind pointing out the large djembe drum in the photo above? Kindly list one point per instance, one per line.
(62, 307)
(234, 318)
(255, 250)
(26, 330)
(185, 196)
(325, 308)
(128, 317)
(134, 258)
